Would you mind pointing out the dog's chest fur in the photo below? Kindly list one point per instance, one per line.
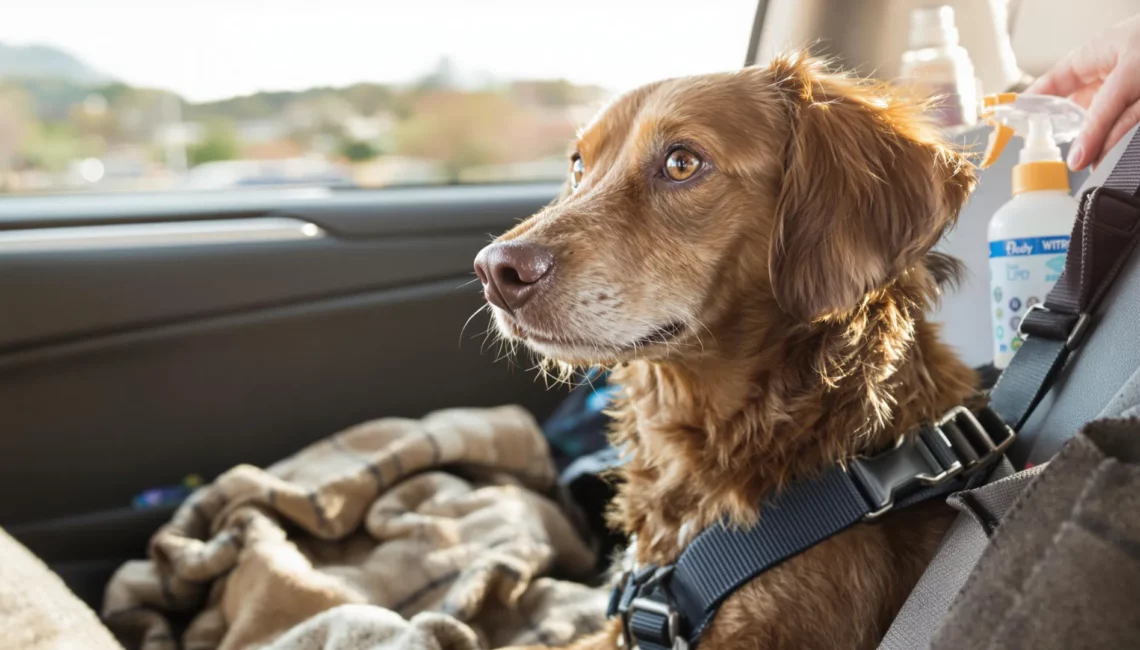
(706, 443)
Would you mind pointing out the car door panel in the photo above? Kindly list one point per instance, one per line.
(65, 296)
(129, 367)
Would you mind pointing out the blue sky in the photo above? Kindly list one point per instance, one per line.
(208, 49)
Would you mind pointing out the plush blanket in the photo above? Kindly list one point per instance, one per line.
(432, 533)
(38, 612)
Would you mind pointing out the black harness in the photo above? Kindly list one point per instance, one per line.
(669, 607)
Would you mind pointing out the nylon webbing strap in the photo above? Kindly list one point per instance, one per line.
(715, 565)
(1104, 235)
(721, 559)
(670, 607)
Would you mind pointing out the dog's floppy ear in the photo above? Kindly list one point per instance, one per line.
(868, 189)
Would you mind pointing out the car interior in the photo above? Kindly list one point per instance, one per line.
(147, 336)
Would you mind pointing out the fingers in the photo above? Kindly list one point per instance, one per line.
(1083, 66)
(1084, 96)
(1120, 91)
(1061, 80)
(1104, 77)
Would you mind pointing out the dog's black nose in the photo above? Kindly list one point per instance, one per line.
(511, 271)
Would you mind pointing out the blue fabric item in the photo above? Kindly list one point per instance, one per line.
(579, 425)
(576, 433)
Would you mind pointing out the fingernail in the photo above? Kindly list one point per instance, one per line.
(1075, 154)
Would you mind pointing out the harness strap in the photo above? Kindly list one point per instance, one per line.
(670, 607)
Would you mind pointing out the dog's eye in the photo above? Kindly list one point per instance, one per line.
(681, 164)
(577, 170)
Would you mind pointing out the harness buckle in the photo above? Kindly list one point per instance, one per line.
(980, 436)
(672, 618)
(957, 443)
(902, 469)
(632, 596)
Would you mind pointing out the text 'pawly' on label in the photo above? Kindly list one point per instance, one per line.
(1029, 246)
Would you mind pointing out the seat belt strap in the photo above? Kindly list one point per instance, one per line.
(960, 549)
(1106, 231)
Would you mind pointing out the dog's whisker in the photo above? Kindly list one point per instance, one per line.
(469, 319)
(490, 335)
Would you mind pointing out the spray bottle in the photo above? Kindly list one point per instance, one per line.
(1029, 234)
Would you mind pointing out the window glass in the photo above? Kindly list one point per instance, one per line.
(149, 95)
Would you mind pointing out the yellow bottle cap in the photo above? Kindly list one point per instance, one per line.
(1040, 175)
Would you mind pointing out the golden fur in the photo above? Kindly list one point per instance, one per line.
(797, 269)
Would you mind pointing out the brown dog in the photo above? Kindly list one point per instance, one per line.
(751, 252)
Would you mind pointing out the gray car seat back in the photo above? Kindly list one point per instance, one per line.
(1108, 358)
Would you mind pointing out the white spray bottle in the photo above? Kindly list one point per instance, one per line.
(1029, 234)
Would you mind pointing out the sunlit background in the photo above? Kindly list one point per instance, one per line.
(129, 95)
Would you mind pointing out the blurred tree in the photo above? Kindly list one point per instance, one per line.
(358, 151)
(554, 92)
(403, 105)
(51, 146)
(16, 122)
(369, 98)
(459, 129)
(137, 115)
(94, 127)
(246, 107)
(219, 142)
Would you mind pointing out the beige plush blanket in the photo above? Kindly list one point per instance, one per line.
(433, 533)
(38, 612)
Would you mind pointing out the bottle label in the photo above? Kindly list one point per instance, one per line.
(1030, 246)
(1022, 271)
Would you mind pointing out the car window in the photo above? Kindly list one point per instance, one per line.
(150, 95)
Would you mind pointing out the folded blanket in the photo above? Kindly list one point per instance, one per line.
(435, 533)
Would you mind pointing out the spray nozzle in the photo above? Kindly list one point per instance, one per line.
(1043, 121)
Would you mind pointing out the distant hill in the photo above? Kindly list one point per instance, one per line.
(42, 62)
(366, 98)
(52, 83)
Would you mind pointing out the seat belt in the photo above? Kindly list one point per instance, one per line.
(1105, 234)
(981, 509)
(1103, 237)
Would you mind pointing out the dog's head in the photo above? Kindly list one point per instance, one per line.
(706, 208)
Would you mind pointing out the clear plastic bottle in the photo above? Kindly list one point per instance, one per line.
(935, 65)
(1029, 234)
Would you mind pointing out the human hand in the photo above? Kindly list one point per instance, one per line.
(1103, 76)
